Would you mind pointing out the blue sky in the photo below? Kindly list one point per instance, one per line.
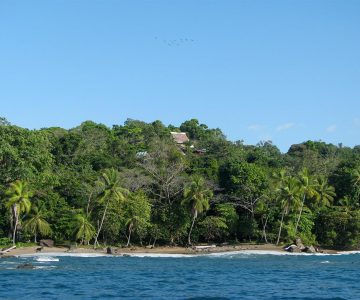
(285, 71)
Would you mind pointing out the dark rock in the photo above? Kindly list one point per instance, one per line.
(110, 250)
(299, 244)
(25, 266)
(46, 243)
(310, 249)
(319, 250)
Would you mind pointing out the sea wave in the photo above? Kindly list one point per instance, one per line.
(325, 262)
(46, 259)
(61, 254)
(259, 252)
(279, 253)
(159, 255)
(42, 257)
(348, 252)
(44, 267)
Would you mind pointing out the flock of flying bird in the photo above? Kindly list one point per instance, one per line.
(175, 42)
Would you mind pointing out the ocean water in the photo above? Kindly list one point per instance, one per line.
(249, 275)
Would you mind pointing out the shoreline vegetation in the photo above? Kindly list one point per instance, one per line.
(150, 184)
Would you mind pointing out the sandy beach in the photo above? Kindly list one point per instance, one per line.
(156, 250)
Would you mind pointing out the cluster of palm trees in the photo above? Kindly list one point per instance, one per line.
(19, 194)
(294, 192)
(18, 201)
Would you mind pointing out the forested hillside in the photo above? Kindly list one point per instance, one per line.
(133, 184)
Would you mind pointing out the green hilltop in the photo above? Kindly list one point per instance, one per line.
(150, 184)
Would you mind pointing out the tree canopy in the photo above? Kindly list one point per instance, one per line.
(132, 183)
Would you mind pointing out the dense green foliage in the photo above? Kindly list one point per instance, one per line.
(133, 184)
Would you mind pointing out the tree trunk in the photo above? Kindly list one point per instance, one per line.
(101, 224)
(281, 224)
(153, 245)
(35, 236)
(191, 229)
(16, 221)
(129, 236)
(88, 204)
(299, 217)
(172, 240)
(11, 230)
(264, 229)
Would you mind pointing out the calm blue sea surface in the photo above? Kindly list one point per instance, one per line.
(232, 276)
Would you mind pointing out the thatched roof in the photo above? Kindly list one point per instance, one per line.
(180, 137)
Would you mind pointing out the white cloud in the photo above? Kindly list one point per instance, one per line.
(255, 127)
(331, 128)
(285, 126)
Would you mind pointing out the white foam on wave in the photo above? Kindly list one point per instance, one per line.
(61, 254)
(348, 252)
(8, 263)
(263, 252)
(44, 267)
(280, 253)
(254, 252)
(43, 257)
(325, 262)
(158, 255)
(46, 259)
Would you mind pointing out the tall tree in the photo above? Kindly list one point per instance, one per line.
(112, 192)
(356, 182)
(137, 212)
(307, 185)
(325, 192)
(36, 223)
(197, 197)
(83, 229)
(18, 200)
(131, 224)
(165, 165)
(288, 195)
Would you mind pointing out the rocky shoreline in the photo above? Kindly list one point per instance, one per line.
(201, 249)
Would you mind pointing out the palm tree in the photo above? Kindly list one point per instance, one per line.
(83, 229)
(348, 204)
(307, 186)
(37, 224)
(197, 197)
(356, 181)
(111, 192)
(325, 192)
(289, 197)
(18, 200)
(280, 177)
(131, 225)
(356, 176)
